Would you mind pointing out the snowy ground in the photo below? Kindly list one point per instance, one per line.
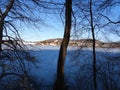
(78, 64)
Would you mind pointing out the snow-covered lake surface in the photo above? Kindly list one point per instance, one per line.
(47, 56)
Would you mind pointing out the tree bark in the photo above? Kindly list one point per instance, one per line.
(2, 18)
(1, 34)
(60, 83)
(94, 51)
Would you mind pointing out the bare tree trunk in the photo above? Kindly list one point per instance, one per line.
(2, 17)
(60, 83)
(94, 51)
(1, 34)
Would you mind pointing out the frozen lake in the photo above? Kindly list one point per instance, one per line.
(78, 65)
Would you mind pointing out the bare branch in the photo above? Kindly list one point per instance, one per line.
(110, 21)
(8, 9)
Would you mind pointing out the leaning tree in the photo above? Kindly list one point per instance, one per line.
(14, 15)
(60, 81)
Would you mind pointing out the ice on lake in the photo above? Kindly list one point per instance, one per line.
(47, 56)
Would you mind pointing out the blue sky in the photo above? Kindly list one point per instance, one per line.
(42, 34)
(54, 29)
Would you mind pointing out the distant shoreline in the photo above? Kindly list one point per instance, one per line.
(79, 43)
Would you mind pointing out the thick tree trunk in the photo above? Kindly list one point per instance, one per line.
(94, 51)
(1, 34)
(60, 83)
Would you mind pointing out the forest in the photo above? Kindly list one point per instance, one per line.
(87, 57)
